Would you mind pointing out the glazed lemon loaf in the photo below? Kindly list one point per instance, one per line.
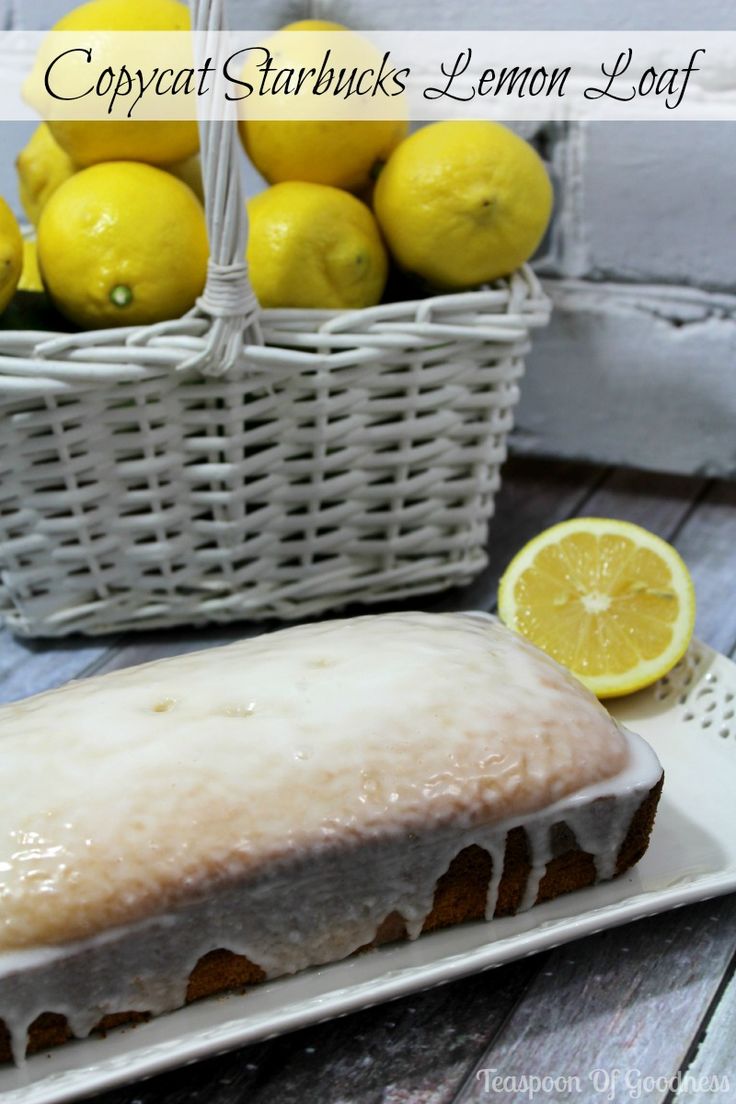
(205, 822)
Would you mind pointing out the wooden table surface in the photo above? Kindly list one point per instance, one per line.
(650, 999)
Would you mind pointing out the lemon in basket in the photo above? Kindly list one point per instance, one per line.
(190, 171)
(310, 245)
(30, 277)
(123, 244)
(42, 167)
(462, 203)
(609, 600)
(345, 153)
(88, 142)
(11, 254)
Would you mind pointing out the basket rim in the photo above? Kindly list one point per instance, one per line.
(43, 362)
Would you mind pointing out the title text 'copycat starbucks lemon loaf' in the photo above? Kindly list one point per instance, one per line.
(209, 821)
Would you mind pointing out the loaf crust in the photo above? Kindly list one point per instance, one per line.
(460, 896)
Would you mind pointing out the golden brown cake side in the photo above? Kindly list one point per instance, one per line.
(461, 894)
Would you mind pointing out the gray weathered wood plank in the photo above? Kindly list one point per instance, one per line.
(31, 666)
(534, 494)
(707, 542)
(540, 493)
(715, 1057)
(629, 999)
(657, 501)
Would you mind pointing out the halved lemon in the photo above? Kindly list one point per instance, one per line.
(608, 599)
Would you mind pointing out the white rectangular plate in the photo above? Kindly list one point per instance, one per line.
(689, 720)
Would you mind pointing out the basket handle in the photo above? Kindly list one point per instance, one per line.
(228, 301)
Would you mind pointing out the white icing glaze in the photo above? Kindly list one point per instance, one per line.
(540, 852)
(301, 912)
(124, 794)
(492, 736)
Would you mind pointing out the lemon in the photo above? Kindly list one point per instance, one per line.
(345, 153)
(123, 244)
(462, 203)
(42, 166)
(30, 277)
(314, 246)
(126, 15)
(11, 254)
(88, 142)
(190, 171)
(609, 600)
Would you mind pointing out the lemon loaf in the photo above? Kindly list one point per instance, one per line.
(205, 822)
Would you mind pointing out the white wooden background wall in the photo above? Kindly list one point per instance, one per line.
(639, 365)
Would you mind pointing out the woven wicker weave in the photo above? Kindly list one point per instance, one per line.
(234, 464)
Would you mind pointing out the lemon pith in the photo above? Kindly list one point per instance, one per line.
(608, 599)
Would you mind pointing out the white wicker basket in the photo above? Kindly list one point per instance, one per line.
(241, 464)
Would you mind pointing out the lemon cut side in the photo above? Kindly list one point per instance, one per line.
(607, 599)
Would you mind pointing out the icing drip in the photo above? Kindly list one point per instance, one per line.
(540, 852)
(302, 911)
(594, 829)
(495, 845)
